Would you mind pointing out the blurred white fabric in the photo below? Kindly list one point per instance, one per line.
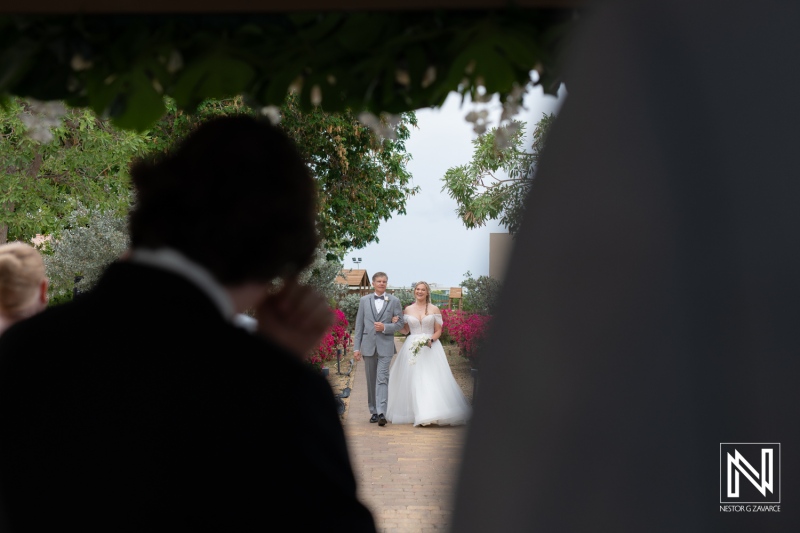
(245, 321)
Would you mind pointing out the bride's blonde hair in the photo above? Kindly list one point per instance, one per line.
(21, 274)
(427, 297)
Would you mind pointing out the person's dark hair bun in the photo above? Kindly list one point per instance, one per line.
(235, 196)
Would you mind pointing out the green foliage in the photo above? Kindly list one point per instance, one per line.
(122, 66)
(495, 184)
(480, 295)
(405, 296)
(58, 300)
(93, 240)
(361, 178)
(349, 306)
(39, 183)
(321, 275)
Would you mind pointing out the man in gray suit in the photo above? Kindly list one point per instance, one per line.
(374, 340)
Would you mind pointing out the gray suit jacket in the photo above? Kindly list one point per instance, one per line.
(367, 340)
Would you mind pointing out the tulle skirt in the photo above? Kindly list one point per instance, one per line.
(425, 392)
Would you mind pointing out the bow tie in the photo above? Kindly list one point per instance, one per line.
(378, 297)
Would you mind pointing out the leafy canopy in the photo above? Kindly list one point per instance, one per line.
(121, 66)
(361, 177)
(495, 184)
(480, 294)
(40, 184)
(77, 188)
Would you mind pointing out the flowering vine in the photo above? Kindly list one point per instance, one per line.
(468, 330)
(335, 338)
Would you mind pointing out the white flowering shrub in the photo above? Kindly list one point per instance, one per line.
(406, 297)
(349, 306)
(321, 275)
(92, 241)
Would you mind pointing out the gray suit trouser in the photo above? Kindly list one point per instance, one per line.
(376, 368)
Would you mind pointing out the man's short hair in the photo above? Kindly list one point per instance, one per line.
(377, 275)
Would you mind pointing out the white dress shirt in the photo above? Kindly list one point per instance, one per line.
(379, 303)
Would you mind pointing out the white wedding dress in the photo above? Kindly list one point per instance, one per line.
(424, 392)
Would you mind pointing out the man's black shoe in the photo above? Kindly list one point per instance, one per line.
(381, 420)
(373, 419)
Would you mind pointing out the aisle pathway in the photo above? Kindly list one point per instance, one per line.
(406, 475)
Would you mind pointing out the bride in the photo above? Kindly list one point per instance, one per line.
(422, 389)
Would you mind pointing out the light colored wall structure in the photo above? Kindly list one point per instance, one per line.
(357, 280)
(499, 252)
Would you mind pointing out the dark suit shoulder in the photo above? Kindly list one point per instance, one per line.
(166, 411)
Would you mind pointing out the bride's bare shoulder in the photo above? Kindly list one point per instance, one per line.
(434, 310)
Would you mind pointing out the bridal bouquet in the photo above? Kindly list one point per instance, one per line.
(416, 346)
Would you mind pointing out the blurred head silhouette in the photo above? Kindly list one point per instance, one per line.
(247, 216)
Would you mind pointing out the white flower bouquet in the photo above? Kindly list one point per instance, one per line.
(416, 346)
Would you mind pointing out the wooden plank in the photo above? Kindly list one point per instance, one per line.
(353, 277)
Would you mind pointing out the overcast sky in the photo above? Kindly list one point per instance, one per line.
(430, 242)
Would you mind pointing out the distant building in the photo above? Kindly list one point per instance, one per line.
(357, 280)
(499, 251)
